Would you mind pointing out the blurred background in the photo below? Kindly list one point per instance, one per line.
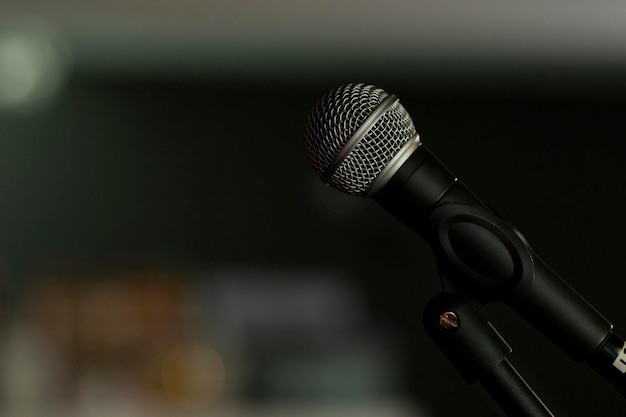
(165, 249)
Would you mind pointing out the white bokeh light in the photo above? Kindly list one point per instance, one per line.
(33, 66)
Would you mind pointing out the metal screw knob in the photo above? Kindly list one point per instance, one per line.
(449, 320)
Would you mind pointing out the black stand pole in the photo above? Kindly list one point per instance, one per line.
(512, 393)
(479, 353)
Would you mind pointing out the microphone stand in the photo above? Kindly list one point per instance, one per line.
(483, 258)
(479, 353)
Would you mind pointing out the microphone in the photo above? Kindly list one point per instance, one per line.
(360, 140)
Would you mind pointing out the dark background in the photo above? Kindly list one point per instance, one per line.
(193, 171)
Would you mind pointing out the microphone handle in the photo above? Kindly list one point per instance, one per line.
(610, 362)
(482, 255)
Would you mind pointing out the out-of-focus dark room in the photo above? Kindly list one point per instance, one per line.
(166, 249)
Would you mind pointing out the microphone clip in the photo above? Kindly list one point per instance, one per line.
(479, 253)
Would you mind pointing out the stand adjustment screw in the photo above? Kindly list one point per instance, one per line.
(449, 320)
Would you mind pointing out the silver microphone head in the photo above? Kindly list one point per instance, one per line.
(357, 136)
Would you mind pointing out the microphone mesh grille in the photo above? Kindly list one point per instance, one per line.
(333, 121)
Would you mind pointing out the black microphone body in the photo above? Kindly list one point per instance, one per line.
(480, 253)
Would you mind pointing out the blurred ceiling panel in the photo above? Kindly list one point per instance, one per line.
(325, 35)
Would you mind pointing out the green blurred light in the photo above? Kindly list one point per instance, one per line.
(32, 68)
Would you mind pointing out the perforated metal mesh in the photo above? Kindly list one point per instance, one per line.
(333, 121)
